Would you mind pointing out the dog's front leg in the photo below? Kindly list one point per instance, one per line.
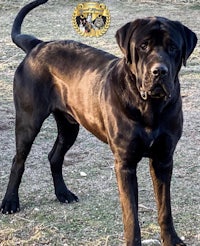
(128, 192)
(161, 175)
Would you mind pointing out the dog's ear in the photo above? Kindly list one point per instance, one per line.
(123, 37)
(190, 41)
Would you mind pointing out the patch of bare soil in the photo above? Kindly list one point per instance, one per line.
(88, 168)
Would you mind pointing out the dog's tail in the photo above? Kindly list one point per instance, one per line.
(24, 41)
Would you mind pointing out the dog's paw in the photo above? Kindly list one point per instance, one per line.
(9, 206)
(66, 196)
(176, 244)
(175, 241)
(179, 242)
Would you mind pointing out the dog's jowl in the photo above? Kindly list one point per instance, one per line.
(132, 103)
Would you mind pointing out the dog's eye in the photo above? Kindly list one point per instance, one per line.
(144, 45)
(172, 48)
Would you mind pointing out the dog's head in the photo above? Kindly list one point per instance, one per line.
(154, 49)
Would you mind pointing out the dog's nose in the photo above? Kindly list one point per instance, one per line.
(159, 70)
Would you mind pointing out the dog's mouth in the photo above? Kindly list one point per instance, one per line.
(158, 91)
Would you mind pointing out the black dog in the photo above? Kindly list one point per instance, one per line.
(133, 104)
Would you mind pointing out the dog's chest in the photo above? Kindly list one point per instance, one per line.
(149, 137)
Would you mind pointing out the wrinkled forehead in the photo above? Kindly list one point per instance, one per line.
(159, 30)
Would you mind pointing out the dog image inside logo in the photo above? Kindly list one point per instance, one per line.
(91, 19)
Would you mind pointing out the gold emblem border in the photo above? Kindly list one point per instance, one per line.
(98, 33)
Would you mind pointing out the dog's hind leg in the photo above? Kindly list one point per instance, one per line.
(28, 124)
(67, 133)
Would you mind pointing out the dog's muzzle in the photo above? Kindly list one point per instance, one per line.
(158, 74)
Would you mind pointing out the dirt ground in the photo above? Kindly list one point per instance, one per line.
(96, 219)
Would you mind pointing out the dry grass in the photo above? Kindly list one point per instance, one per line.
(96, 219)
